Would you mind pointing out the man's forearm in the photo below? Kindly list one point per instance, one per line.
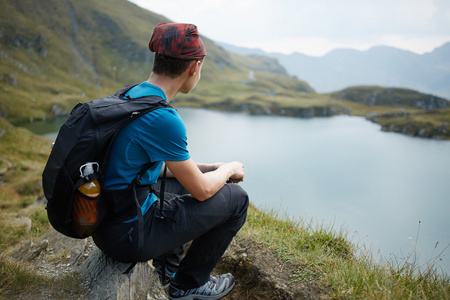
(205, 168)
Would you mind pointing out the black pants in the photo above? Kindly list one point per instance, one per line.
(210, 225)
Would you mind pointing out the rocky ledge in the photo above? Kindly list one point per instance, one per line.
(259, 273)
(403, 122)
(55, 255)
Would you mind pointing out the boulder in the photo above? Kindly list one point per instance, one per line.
(54, 254)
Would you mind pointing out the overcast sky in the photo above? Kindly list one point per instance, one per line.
(314, 27)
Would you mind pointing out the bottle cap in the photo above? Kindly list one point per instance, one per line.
(88, 169)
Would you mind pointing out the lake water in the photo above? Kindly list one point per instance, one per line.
(389, 192)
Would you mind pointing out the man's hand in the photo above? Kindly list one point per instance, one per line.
(238, 172)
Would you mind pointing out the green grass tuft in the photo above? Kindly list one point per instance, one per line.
(17, 280)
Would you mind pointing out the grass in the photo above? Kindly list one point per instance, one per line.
(328, 256)
(17, 279)
(23, 155)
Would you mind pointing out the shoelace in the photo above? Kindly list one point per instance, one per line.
(208, 288)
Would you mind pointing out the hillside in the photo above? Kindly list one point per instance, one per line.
(60, 52)
(377, 96)
(382, 66)
(400, 110)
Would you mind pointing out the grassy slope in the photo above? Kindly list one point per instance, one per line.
(23, 155)
(74, 64)
(326, 256)
(63, 52)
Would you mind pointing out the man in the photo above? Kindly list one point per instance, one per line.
(203, 203)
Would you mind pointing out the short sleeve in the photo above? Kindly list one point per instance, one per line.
(157, 136)
(165, 139)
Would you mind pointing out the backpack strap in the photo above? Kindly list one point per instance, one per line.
(161, 194)
(136, 182)
(161, 211)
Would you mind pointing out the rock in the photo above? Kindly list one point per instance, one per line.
(35, 42)
(106, 280)
(59, 110)
(9, 79)
(54, 254)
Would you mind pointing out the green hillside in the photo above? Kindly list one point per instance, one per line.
(60, 52)
(378, 96)
(399, 110)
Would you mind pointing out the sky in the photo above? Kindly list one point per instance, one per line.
(314, 27)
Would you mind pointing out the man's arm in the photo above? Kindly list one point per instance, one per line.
(204, 168)
(204, 185)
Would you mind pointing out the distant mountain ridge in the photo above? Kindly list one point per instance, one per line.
(381, 65)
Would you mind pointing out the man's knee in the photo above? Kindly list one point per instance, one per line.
(240, 198)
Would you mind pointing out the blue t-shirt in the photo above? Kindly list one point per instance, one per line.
(157, 136)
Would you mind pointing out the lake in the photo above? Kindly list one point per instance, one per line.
(389, 192)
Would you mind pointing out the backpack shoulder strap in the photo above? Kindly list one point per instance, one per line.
(135, 182)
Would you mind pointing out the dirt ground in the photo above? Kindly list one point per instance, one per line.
(262, 275)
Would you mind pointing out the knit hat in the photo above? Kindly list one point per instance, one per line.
(177, 40)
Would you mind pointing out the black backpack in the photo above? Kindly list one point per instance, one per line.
(87, 136)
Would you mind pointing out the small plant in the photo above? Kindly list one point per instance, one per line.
(11, 235)
(29, 188)
(39, 220)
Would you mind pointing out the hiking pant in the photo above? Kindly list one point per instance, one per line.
(210, 225)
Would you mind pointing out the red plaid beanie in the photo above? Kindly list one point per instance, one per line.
(176, 40)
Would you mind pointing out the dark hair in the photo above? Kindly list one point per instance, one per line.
(172, 67)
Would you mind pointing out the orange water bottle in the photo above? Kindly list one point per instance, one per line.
(85, 206)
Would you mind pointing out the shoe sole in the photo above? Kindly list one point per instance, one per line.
(205, 297)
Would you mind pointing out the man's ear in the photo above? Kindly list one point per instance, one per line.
(194, 67)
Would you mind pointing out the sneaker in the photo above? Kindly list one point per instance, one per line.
(166, 277)
(216, 288)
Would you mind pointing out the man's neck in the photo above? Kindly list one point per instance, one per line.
(170, 86)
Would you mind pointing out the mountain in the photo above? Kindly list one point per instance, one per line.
(382, 66)
(58, 53)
